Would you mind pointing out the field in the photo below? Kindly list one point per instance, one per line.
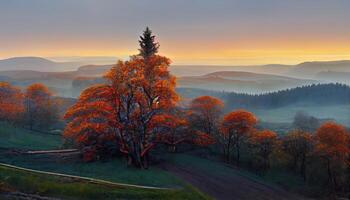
(339, 113)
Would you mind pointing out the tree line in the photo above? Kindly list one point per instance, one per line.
(318, 94)
(34, 108)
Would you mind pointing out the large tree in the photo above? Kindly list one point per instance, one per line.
(137, 92)
(148, 45)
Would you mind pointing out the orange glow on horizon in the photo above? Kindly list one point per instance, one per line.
(221, 52)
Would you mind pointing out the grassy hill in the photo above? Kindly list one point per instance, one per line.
(73, 188)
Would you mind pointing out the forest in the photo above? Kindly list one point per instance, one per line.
(136, 114)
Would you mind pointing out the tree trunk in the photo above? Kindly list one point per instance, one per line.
(303, 167)
(238, 153)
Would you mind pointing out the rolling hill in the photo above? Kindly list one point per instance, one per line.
(245, 82)
(311, 69)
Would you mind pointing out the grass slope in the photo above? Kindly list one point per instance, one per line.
(19, 138)
(113, 170)
(274, 177)
(54, 186)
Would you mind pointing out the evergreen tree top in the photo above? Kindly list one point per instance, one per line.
(148, 45)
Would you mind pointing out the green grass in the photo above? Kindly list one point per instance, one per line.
(19, 138)
(54, 186)
(274, 177)
(113, 170)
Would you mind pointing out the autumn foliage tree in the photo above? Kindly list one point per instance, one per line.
(41, 110)
(205, 113)
(298, 145)
(235, 127)
(332, 146)
(173, 128)
(138, 92)
(262, 144)
(11, 103)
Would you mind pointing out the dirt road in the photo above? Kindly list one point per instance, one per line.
(233, 187)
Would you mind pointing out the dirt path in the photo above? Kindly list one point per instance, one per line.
(234, 187)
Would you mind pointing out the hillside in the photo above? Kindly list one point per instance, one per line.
(242, 82)
(311, 69)
(93, 70)
(334, 76)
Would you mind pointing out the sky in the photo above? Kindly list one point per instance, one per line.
(221, 32)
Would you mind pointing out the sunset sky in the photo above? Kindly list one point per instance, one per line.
(227, 32)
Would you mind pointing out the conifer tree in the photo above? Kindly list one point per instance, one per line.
(148, 45)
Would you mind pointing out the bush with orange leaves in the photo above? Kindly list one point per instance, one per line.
(235, 127)
(11, 103)
(333, 147)
(262, 144)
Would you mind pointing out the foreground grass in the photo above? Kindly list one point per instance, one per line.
(66, 188)
(274, 177)
(19, 138)
(112, 170)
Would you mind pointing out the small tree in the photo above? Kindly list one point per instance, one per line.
(234, 128)
(148, 45)
(298, 145)
(305, 122)
(41, 110)
(332, 146)
(205, 113)
(11, 103)
(262, 144)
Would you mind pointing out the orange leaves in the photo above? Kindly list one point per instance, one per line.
(332, 141)
(168, 120)
(41, 109)
(206, 105)
(11, 102)
(202, 139)
(37, 92)
(239, 121)
(205, 112)
(264, 136)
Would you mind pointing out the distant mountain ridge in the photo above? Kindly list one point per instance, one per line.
(69, 78)
(236, 81)
(311, 69)
(36, 64)
(302, 70)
